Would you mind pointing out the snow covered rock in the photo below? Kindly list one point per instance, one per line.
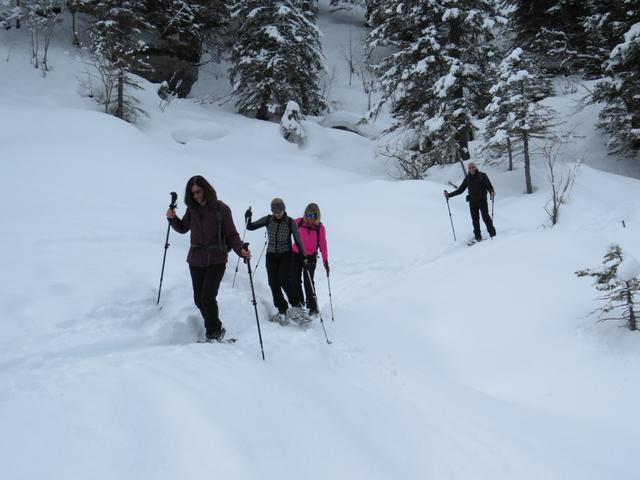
(290, 124)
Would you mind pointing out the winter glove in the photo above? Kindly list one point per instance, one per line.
(326, 266)
(247, 215)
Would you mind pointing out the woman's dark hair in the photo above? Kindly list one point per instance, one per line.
(209, 193)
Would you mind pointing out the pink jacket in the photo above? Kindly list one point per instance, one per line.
(310, 239)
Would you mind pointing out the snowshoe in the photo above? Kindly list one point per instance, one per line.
(297, 315)
(279, 317)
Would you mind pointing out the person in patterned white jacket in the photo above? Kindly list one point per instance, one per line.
(280, 230)
(314, 238)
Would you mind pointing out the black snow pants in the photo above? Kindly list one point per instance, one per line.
(477, 207)
(206, 282)
(279, 275)
(299, 275)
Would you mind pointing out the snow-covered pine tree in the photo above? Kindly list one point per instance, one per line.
(436, 78)
(552, 30)
(200, 24)
(117, 44)
(620, 116)
(619, 278)
(277, 57)
(180, 18)
(514, 115)
(10, 14)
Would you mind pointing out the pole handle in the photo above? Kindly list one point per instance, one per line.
(245, 246)
(174, 200)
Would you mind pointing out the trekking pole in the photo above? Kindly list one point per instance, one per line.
(172, 206)
(330, 300)
(246, 222)
(315, 298)
(491, 236)
(245, 246)
(451, 218)
(261, 253)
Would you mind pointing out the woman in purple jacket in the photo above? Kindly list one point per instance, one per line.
(213, 234)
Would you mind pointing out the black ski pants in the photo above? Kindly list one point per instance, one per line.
(477, 207)
(279, 275)
(299, 275)
(206, 282)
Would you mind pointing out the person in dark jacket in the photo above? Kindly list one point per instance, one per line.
(280, 229)
(213, 234)
(478, 184)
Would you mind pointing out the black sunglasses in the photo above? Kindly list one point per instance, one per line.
(196, 192)
(311, 215)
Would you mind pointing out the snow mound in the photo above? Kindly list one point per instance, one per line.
(628, 269)
(187, 135)
(351, 122)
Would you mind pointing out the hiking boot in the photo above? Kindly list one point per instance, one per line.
(216, 337)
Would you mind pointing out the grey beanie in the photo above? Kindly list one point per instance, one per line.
(277, 204)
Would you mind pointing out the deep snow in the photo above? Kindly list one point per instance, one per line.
(447, 361)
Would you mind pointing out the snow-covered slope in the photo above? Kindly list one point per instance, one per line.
(447, 362)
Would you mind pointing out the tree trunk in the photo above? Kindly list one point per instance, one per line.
(459, 159)
(18, 19)
(632, 314)
(120, 99)
(76, 40)
(527, 163)
(510, 151)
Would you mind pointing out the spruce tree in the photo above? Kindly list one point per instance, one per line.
(552, 30)
(514, 115)
(620, 116)
(116, 41)
(277, 57)
(619, 279)
(436, 78)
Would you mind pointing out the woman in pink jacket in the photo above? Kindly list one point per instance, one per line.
(314, 238)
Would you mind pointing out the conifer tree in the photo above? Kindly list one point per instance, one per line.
(436, 78)
(277, 57)
(514, 115)
(116, 41)
(553, 31)
(618, 278)
(620, 116)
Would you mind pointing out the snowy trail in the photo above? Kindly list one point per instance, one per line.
(447, 361)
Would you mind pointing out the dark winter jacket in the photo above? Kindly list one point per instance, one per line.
(209, 245)
(279, 233)
(478, 184)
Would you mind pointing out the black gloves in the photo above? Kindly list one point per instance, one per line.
(247, 215)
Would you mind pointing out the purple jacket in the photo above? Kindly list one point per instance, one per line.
(205, 239)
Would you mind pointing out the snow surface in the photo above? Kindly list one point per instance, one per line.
(447, 362)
